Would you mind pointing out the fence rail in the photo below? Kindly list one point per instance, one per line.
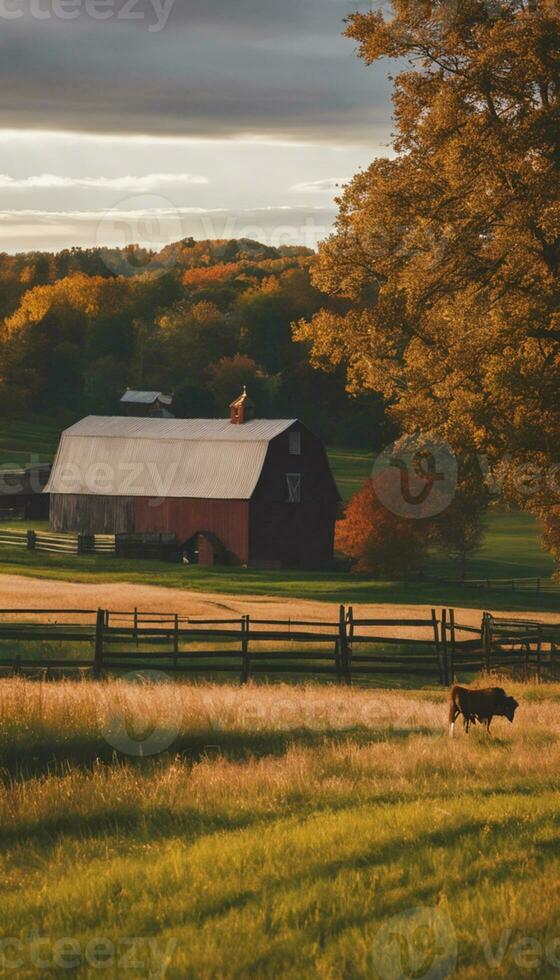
(345, 649)
(64, 544)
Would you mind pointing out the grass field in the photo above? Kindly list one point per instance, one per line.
(288, 832)
(23, 443)
(350, 467)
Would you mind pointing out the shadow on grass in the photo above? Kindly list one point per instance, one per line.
(165, 822)
(396, 852)
(32, 759)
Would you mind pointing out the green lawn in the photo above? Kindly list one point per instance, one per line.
(282, 833)
(510, 549)
(350, 468)
(23, 443)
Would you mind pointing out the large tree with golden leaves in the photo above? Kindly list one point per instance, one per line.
(446, 258)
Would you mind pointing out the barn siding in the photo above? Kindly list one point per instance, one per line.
(227, 519)
(87, 514)
(297, 535)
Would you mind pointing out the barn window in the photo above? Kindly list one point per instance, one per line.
(294, 488)
(295, 443)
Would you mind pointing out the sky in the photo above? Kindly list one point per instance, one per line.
(151, 120)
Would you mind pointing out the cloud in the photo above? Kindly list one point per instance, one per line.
(217, 69)
(145, 184)
(330, 185)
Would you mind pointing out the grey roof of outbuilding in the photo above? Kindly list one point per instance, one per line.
(145, 398)
(139, 457)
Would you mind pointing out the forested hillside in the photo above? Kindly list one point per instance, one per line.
(198, 319)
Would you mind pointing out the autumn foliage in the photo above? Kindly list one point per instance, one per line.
(379, 542)
(210, 275)
(446, 258)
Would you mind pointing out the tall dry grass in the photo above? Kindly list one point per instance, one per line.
(281, 828)
(250, 749)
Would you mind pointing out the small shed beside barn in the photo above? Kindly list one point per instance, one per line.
(242, 490)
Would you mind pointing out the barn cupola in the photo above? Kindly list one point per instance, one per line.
(242, 409)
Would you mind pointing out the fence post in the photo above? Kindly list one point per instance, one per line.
(453, 638)
(135, 626)
(444, 663)
(343, 640)
(350, 646)
(31, 540)
(487, 640)
(176, 640)
(245, 649)
(338, 661)
(553, 652)
(539, 651)
(99, 629)
(437, 645)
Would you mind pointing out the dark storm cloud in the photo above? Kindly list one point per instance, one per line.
(203, 68)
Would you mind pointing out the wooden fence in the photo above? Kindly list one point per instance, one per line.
(62, 544)
(162, 547)
(527, 644)
(347, 650)
(14, 539)
(526, 586)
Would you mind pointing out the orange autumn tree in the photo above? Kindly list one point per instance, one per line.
(444, 267)
(204, 276)
(379, 542)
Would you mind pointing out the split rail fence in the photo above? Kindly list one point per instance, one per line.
(62, 544)
(351, 649)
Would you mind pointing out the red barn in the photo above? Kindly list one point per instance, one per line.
(241, 490)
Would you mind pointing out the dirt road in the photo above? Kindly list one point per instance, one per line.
(18, 592)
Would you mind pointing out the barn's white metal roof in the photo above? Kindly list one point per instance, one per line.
(189, 430)
(139, 457)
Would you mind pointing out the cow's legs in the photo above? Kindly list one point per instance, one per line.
(453, 712)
